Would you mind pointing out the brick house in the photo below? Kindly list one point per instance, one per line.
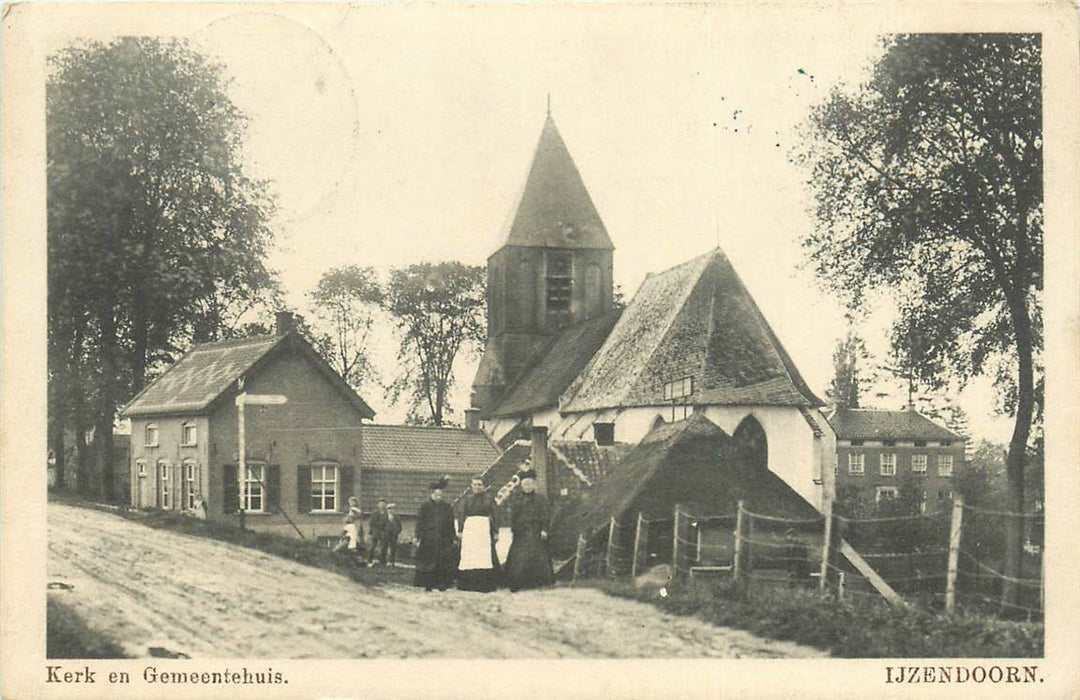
(877, 452)
(302, 456)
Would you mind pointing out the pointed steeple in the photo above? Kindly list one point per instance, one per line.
(554, 209)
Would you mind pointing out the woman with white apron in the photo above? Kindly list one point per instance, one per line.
(478, 569)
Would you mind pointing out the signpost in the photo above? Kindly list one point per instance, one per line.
(246, 399)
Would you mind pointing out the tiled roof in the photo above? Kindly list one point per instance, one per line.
(407, 490)
(592, 460)
(554, 209)
(407, 448)
(207, 371)
(693, 320)
(676, 463)
(560, 363)
(871, 424)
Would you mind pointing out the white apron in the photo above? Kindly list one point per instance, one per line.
(502, 547)
(476, 544)
(352, 532)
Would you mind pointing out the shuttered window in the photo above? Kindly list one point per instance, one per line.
(324, 488)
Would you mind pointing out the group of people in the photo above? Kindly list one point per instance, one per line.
(385, 528)
(459, 543)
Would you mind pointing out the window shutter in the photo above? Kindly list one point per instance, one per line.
(157, 484)
(345, 479)
(303, 489)
(230, 489)
(273, 486)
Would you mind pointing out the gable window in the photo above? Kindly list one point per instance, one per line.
(164, 491)
(151, 435)
(678, 388)
(559, 280)
(888, 464)
(944, 465)
(324, 488)
(604, 433)
(886, 493)
(855, 463)
(188, 434)
(189, 485)
(918, 464)
(254, 496)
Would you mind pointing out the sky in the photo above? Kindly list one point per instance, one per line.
(399, 135)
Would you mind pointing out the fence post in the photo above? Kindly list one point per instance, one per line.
(955, 527)
(610, 546)
(675, 543)
(826, 548)
(840, 585)
(736, 564)
(637, 543)
(579, 556)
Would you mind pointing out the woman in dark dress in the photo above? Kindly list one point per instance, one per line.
(528, 564)
(436, 552)
(478, 569)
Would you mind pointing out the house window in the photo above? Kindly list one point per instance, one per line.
(886, 493)
(189, 485)
(944, 495)
(140, 469)
(888, 464)
(944, 465)
(920, 443)
(253, 488)
(889, 443)
(918, 464)
(166, 492)
(188, 434)
(678, 388)
(604, 433)
(324, 482)
(855, 463)
(151, 435)
(856, 443)
(559, 280)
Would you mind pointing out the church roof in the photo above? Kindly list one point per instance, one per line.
(693, 320)
(559, 364)
(554, 209)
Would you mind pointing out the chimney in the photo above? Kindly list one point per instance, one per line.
(283, 322)
(472, 419)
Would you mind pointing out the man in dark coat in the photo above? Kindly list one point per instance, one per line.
(436, 551)
(390, 536)
(528, 564)
(378, 527)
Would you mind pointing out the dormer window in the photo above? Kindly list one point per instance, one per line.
(604, 433)
(188, 434)
(151, 435)
(680, 388)
(559, 280)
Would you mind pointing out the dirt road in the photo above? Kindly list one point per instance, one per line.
(202, 598)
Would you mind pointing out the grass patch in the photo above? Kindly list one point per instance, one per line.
(68, 637)
(855, 629)
(304, 552)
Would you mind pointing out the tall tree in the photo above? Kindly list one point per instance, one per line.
(345, 302)
(439, 309)
(852, 372)
(928, 183)
(155, 234)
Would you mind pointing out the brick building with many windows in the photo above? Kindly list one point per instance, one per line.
(879, 452)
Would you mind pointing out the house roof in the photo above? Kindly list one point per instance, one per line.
(409, 448)
(209, 370)
(554, 208)
(694, 320)
(666, 450)
(872, 424)
(559, 364)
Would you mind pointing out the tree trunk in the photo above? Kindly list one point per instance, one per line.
(82, 454)
(1017, 456)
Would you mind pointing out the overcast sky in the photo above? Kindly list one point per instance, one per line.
(397, 135)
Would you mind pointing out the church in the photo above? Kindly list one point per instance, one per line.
(571, 381)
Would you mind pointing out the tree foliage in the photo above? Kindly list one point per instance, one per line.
(852, 372)
(155, 235)
(439, 309)
(928, 185)
(345, 303)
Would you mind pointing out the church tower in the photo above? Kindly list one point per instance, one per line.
(552, 270)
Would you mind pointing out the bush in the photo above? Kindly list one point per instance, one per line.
(68, 637)
(851, 629)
